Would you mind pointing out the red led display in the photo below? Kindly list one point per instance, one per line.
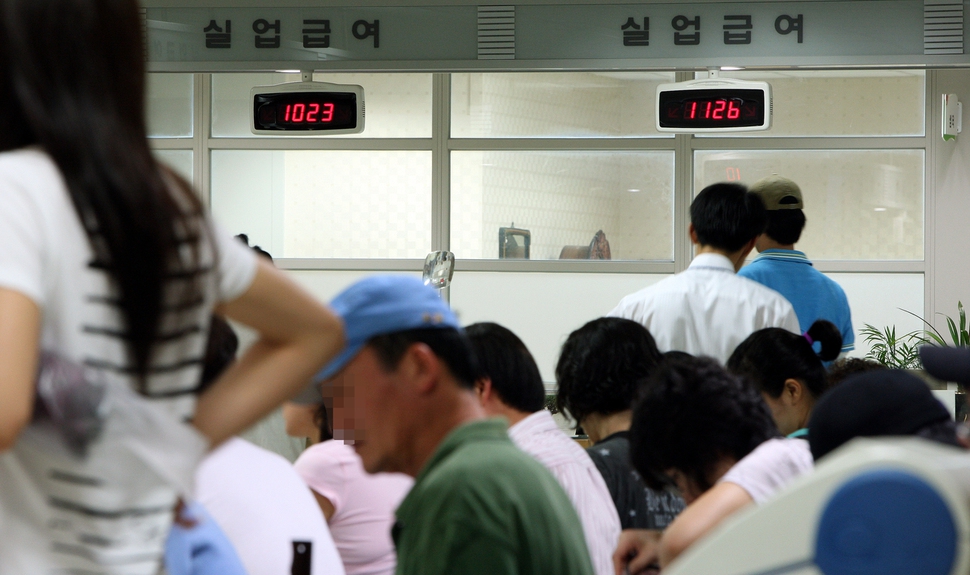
(714, 109)
(711, 108)
(313, 112)
(305, 111)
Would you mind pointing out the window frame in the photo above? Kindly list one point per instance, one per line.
(441, 145)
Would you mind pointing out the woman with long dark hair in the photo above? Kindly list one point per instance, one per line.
(110, 267)
(788, 371)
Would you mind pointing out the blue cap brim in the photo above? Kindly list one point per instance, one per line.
(311, 394)
(338, 363)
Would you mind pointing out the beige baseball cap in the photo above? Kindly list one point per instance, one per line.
(779, 193)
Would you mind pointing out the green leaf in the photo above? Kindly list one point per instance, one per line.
(933, 339)
(922, 320)
(954, 333)
(964, 335)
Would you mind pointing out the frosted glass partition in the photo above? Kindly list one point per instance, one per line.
(555, 104)
(169, 105)
(563, 199)
(326, 204)
(397, 105)
(841, 103)
(860, 204)
(178, 160)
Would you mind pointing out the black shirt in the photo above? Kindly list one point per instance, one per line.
(639, 506)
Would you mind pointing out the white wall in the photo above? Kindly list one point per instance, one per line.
(543, 308)
(879, 300)
(949, 211)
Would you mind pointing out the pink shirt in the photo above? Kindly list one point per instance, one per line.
(539, 436)
(363, 505)
(770, 467)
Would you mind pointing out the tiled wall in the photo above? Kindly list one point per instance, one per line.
(860, 204)
(563, 199)
(840, 103)
(555, 105)
(326, 204)
(357, 204)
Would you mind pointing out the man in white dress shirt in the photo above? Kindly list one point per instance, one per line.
(708, 309)
(510, 386)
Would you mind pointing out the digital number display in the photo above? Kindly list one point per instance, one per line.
(723, 108)
(305, 111)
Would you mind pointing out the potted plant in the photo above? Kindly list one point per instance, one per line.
(902, 351)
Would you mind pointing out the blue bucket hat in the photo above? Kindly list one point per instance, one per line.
(380, 305)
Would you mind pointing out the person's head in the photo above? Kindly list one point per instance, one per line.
(305, 416)
(947, 364)
(840, 370)
(727, 217)
(677, 354)
(259, 251)
(302, 420)
(601, 365)
(878, 403)
(786, 220)
(693, 421)
(507, 372)
(406, 368)
(786, 370)
(72, 81)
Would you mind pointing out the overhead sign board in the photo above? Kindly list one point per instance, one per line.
(569, 36)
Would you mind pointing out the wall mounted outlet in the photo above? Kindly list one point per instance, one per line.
(952, 117)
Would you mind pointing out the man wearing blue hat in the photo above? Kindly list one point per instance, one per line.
(478, 505)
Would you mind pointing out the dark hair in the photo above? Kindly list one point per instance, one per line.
(220, 351)
(770, 356)
(692, 414)
(876, 404)
(676, 354)
(785, 226)
(601, 364)
(847, 366)
(78, 92)
(322, 419)
(504, 359)
(450, 345)
(727, 216)
(944, 432)
(259, 251)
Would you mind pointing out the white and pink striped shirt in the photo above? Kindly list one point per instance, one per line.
(539, 436)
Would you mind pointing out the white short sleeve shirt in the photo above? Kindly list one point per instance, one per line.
(266, 510)
(110, 512)
(707, 309)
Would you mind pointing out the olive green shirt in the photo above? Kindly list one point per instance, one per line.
(482, 506)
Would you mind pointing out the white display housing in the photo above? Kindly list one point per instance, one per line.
(713, 89)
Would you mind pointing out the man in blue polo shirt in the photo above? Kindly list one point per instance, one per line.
(786, 270)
